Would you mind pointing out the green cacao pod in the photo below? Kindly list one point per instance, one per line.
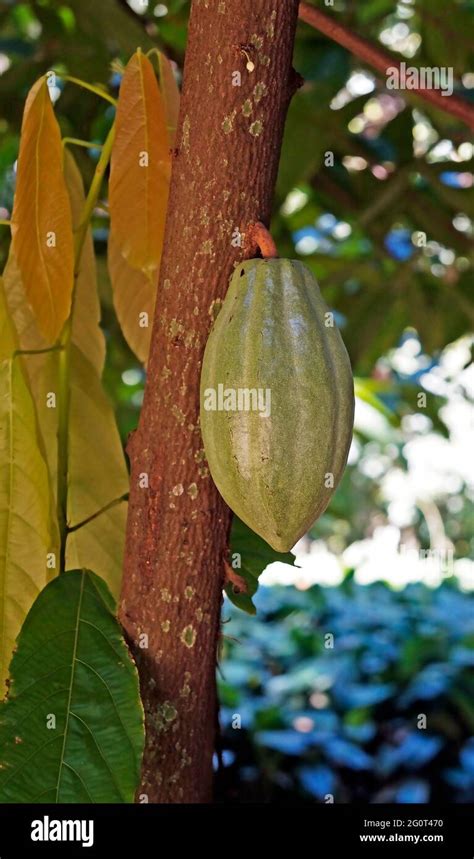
(277, 400)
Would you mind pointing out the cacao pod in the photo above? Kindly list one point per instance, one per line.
(277, 400)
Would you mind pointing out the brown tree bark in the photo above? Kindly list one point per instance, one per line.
(229, 140)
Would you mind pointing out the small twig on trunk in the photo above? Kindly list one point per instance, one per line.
(260, 236)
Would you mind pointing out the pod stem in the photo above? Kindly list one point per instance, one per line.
(260, 236)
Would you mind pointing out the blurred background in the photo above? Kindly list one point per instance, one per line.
(354, 681)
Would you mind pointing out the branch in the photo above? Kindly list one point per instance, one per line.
(381, 61)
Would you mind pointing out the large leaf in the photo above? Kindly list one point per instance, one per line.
(98, 477)
(97, 468)
(41, 220)
(253, 555)
(101, 540)
(27, 528)
(8, 339)
(134, 294)
(71, 729)
(170, 94)
(41, 369)
(86, 331)
(140, 167)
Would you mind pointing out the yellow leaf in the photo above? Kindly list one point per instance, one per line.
(140, 167)
(99, 546)
(42, 369)
(8, 338)
(97, 467)
(86, 332)
(28, 531)
(134, 294)
(170, 93)
(42, 237)
(97, 477)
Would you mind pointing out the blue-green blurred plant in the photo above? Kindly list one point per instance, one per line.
(330, 686)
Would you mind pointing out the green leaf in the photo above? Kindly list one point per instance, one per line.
(304, 143)
(71, 729)
(254, 556)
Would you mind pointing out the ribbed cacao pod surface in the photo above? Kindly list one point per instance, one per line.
(277, 400)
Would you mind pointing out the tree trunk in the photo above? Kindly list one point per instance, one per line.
(224, 171)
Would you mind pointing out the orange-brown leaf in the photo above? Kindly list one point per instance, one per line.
(42, 236)
(134, 295)
(140, 167)
(170, 93)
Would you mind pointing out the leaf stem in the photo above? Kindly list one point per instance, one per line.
(95, 89)
(4, 223)
(64, 369)
(56, 348)
(72, 528)
(93, 196)
(87, 144)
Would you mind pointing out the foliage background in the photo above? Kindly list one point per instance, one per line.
(341, 721)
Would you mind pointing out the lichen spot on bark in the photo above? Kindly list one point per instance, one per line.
(185, 133)
(165, 625)
(228, 123)
(188, 636)
(165, 716)
(256, 128)
(175, 328)
(189, 592)
(178, 489)
(165, 595)
(193, 491)
(186, 688)
(247, 107)
(260, 90)
(257, 41)
(271, 25)
(186, 760)
(179, 415)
